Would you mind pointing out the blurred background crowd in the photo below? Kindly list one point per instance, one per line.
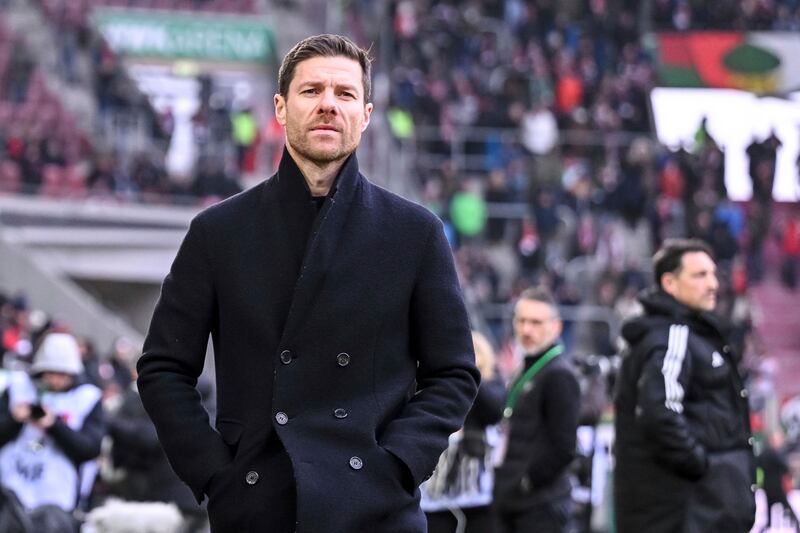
(526, 125)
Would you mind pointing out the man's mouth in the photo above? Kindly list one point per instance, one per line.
(324, 127)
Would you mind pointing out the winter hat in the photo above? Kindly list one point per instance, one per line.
(59, 352)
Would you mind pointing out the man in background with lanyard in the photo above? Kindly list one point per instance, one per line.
(532, 485)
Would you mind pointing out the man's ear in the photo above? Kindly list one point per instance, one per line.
(280, 108)
(367, 114)
(667, 283)
(558, 327)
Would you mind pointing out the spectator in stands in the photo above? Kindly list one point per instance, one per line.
(17, 338)
(244, 130)
(305, 263)
(790, 246)
(115, 369)
(532, 485)
(52, 424)
(211, 183)
(684, 458)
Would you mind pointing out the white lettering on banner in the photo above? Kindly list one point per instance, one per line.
(226, 38)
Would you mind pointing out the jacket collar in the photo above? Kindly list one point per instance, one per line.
(657, 302)
(531, 358)
(325, 233)
(291, 185)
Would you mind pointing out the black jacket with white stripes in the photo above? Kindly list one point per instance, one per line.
(682, 422)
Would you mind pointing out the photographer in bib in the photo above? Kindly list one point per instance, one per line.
(51, 424)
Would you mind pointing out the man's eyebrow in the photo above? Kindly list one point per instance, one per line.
(343, 85)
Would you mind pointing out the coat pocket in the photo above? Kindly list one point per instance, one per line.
(723, 500)
(231, 433)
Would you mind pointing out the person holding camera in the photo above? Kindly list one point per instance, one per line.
(458, 496)
(51, 423)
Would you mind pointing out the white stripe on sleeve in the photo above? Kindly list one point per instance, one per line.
(673, 360)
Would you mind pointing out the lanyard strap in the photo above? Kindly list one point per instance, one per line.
(516, 390)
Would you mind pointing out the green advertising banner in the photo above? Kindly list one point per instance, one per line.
(176, 35)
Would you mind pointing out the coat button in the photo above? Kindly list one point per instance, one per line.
(286, 357)
(281, 418)
(726, 349)
(751, 441)
(753, 487)
(743, 393)
(356, 463)
(343, 359)
(251, 478)
(340, 413)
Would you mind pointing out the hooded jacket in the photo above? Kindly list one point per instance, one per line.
(683, 443)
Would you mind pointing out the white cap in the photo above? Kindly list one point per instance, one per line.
(58, 353)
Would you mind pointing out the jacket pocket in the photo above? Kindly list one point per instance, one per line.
(231, 433)
(722, 500)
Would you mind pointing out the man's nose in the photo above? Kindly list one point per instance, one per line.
(327, 103)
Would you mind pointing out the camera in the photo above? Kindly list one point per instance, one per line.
(37, 412)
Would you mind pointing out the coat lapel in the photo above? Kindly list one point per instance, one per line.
(321, 248)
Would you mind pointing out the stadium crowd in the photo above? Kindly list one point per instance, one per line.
(599, 192)
(46, 149)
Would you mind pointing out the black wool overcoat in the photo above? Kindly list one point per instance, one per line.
(361, 365)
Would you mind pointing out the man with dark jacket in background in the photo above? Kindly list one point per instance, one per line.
(684, 460)
(532, 486)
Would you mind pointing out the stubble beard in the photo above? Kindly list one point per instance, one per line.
(298, 139)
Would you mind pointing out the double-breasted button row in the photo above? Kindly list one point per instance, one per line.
(343, 359)
(281, 418)
(286, 357)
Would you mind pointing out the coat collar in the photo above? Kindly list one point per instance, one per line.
(291, 185)
(325, 233)
(656, 302)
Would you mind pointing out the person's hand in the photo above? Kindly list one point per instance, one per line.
(21, 412)
(46, 421)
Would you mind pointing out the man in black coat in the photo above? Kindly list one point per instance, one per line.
(342, 347)
(532, 486)
(136, 452)
(684, 460)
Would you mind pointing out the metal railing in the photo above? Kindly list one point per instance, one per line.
(466, 163)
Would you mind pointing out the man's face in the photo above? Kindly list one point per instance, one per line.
(56, 381)
(695, 283)
(324, 111)
(536, 325)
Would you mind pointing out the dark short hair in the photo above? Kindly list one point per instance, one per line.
(669, 258)
(326, 45)
(540, 294)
